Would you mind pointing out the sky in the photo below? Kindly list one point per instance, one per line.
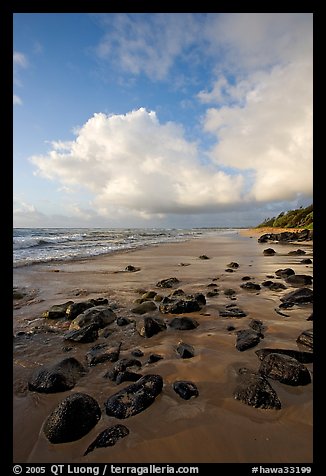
(161, 119)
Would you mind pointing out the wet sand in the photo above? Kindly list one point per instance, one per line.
(214, 427)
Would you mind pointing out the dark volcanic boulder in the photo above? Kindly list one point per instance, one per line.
(306, 338)
(76, 308)
(186, 351)
(123, 321)
(286, 369)
(85, 334)
(127, 376)
(135, 398)
(108, 437)
(144, 307)
(102, 353)
(185, 389)
(183, 323)
(72, 419)
(299, 280)
(154, 358)
(179, 306)
(57, 311)
(131, 269)
(273, 286)
(229, 292)
(57, 378)
(102, 316)
(257, 325)
(137, 353)
(233, 311)
(254, 390)
(151, 326)
(306, 261)
(303, 357)
(249, 286)
(284, 273)
(167, 283)
(203, 257)
(246, 339)
(299, 296)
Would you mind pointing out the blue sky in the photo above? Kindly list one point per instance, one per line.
(177, 120)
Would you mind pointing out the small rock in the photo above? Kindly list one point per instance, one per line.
(269, 252)
(186, 351)
(284, 273)
(211, 294)
(137, 353)
(103, 353)
(123, 321)
(127, 376)
(154, 358)
(151, 326)
(303, 357)
(57, 311)
(299, 296)
(257, 325)
(185, 389)
(149, 295)
(306, 261)
(233, 311)
(299, 280)
(233, 265)
(297, 253)
(229, 270)
(108, 437)
(246, 339)
(249, 286)
(167, 283)
(230, 328)
(85, 334)
(203, 257)
(131, 269)
(229, 292)
(76, 308)
(183, 323)
(306, 338)
(145, 307)
(246, 278)
(101, 316)
(121, 366)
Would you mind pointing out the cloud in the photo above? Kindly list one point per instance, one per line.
(20, 60)
(134, 164)
(17, 100)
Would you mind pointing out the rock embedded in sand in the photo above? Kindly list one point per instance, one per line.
(84, 335)
(58, 377)
(127, 376)
(149, 295)
(131, 269)
(102, 353)
(101, 316)
(57, 311)
(123, 321)
(306, 338)
(233, 265)
(303, 357)
(183, 323)
(186, 351)
(246, 278)
(254, 390)
(299, 296)
(108, 437)
(229, 292)
(137, 353)
(179, 306)
(285, 369)
(303, 235)
(167, 283)
(185, 389)
(233, 311)
(269, 252)
(249, 286)
(297, 253)
(284, 273)
(246, 339)
(306, 261)
(135, 398)
(299, 280)
(121, 366)
(257, 325)
(203, 257)
(212, 293)
(152, 358)
(144, 307)
(72, 419)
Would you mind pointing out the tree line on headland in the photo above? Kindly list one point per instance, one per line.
(299, 218)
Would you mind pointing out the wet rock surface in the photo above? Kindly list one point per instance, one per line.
(246, 339)
(186, 351)
(254, 390)
(286, 369)
(103, 353)
(108, 437)
(72, 419)
(183, 323)
(306, 338)
(185, 389)
(135, 398)
(303, 357)
(59, 377)
(299, 296)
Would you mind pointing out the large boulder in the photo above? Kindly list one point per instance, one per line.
(72, 419)
(299, 280)
(284, 368)
(254, 390)
(303, 357)
(135, 398)
(108, 437)
(101, 316)
(299, 296)
(59, 377)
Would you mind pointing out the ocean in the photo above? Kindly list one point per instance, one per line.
(40, 245)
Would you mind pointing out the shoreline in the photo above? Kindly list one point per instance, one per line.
(213, 427)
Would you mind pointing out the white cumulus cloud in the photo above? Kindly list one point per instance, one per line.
(16, 100)
(133, 163)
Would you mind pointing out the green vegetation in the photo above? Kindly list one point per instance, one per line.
(300, 218)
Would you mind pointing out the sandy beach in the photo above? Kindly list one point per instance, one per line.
(214, 427)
